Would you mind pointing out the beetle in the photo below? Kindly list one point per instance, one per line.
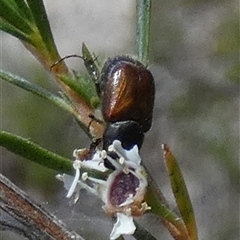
(127, 91)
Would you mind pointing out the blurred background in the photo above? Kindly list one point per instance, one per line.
(194, 58)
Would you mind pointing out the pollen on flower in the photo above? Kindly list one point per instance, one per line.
(126, 170)
(77, 164)
(128, 212)
(103, 154)
(121, 160)
(80, 153)
(84, 176)
(145, 206)
(111, 148)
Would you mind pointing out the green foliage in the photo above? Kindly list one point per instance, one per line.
(34, 152)
(91, 63)
(27, 20)
(84, 87)
(35, 89)
(180, 192)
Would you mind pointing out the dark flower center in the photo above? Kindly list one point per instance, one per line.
(123, 186)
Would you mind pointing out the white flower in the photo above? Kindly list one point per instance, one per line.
(95, 162)
(124, 225)
(74, 185)
(123, 191)
(76, 165)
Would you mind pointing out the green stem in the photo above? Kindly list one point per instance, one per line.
(143, 29)
(34, 152)
(35, 89)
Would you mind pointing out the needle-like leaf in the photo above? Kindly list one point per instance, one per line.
(41, 21)
(34, 152)
(181, 193)
(33, 88)
(9, 12)
(6, 27)
(84, 86)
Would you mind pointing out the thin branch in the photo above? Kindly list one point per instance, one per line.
(37, 221)
(143, 29)
(32, 151)
(35, 89)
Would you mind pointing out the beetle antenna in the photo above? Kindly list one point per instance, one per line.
(66, 57)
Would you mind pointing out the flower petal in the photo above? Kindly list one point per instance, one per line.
(76, 165)
(131, 155)
(66, 179)
(96, 164)
(124, 225)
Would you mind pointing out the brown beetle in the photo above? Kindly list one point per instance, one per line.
(128, 91)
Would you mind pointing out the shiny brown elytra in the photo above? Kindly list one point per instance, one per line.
(128, 92)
